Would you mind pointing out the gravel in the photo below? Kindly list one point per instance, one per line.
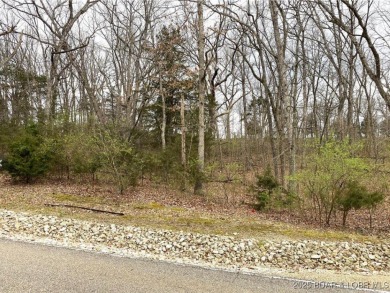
(193, 248)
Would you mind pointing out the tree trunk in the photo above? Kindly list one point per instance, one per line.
(245, 115)
(183, 140)
(164, 114)
(345, 214)
(280, 58)
(198, 189)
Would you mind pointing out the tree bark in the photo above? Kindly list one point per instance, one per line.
(198, 189)
(164, 113)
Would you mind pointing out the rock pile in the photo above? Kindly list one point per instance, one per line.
(221, 251)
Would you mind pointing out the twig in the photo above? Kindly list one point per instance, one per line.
(83, 208)
(221, 181)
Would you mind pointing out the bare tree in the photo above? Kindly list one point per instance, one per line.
(9, 35)
(51, 24)
(360, 37)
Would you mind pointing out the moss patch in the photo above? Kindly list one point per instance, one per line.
(297, 233)
(148, 206)
(62, 197)
(197, 221)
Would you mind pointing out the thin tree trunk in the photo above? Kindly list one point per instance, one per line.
(351, 69)
(228, 132)
(164, 114)
(183, 133)
(245, 115)
(51, 88)
(183, 140)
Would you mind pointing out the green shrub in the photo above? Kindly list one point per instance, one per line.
(351, 198)
(81, 153)
(29, 155)
(356, 196)
(371, 201)
(119, 159)
(8, 132)
(265, 185)
(269, 193)
(328, 173)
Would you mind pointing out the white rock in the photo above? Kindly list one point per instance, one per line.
(315, 256)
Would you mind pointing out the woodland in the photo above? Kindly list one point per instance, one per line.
(286, 100)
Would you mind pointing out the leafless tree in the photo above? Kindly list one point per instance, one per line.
(345, 14)
(52, 24)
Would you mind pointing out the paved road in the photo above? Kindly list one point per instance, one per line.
(34, 268)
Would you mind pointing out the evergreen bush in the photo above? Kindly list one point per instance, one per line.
(29, 156)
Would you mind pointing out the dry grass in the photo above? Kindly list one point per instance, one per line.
(159, 207)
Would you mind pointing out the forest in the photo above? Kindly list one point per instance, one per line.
(284, 101)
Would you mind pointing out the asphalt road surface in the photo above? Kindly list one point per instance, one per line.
(26, 267)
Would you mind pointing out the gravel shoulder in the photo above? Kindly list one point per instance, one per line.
(349, 263)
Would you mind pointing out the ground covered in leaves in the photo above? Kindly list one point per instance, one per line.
(226, 209)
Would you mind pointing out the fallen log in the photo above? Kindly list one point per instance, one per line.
(84, 208)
